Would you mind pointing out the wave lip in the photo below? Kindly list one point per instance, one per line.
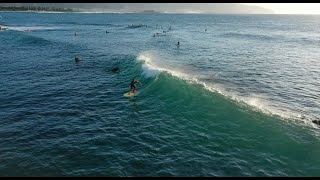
(151, 68)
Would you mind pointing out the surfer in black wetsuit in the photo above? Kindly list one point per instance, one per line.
(316, 122)
(116, 69)
(178, 44)
(132, 84)
(76, 58)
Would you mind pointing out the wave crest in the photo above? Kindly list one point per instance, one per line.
(151, 68)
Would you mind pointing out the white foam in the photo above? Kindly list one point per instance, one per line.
(259, 103)
(29, 28)
(104, 12)
(267, 107)
(151, 68)
(50, 12)
(150, 71)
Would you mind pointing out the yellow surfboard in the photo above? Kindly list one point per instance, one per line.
(131, 93)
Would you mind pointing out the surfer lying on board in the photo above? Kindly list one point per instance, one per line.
(116, 69)
(132, 84)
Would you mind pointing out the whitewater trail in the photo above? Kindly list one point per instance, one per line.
(152, 67)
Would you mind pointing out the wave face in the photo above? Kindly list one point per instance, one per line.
(257, 100)
(235, 100)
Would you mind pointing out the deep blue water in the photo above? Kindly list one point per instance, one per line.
(235, 100)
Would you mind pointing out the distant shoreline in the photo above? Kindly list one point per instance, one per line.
(93, 12)
(99, 12)
(41, 11)
(34, 9)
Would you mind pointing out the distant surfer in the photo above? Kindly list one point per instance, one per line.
(132, 84)
(3, 28)
(76, 58)
(178, 44)
(107, 32)
(75, 34)
(116, 69)
(316, 122)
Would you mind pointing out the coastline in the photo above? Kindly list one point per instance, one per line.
(42, 11)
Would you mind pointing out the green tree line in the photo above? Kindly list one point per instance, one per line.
(35, 8)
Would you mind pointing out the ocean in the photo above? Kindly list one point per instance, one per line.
(236, 98)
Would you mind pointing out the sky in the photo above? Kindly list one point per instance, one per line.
(290, 8)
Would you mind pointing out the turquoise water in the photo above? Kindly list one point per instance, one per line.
(235, 100)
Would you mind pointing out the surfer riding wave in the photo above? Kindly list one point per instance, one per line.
(132, 84)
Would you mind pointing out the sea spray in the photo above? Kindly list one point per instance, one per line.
(151, 68)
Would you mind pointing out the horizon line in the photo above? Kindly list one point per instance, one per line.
(128, 12)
